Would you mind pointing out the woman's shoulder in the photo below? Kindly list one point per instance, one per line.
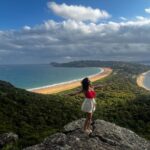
(91, 90)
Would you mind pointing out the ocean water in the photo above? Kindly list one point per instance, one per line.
(35, 76)
(147, 80)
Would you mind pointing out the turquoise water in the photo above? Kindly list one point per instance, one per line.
(34, 76)
(147, 80)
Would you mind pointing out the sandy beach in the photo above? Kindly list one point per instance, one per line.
(67, 86)
(140, 80)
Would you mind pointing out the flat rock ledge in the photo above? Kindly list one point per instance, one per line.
(105, 136)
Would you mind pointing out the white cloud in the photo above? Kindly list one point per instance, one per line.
(78, 13)
(26, 27)
(138, 22)
(140, 18)
(123, 18)
(147, 10)
(75, 39)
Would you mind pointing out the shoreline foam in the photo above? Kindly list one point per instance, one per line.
(56, 88)
(140, 80)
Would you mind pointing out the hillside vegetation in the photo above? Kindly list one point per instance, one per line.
(35, 116)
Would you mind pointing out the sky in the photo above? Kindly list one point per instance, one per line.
(44, 31)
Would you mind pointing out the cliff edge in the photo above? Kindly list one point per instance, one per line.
(105, 136)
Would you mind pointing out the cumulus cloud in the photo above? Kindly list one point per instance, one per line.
(147, 10)
(77, 40)
(78, 13)
(73, 39)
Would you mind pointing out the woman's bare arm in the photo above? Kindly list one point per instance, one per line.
(81, 91)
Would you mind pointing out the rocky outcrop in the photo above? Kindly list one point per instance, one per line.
(105, 136)
(7, 138)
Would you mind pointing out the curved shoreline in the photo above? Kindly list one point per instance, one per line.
(140, 80)
(70, 85)
(62, 83)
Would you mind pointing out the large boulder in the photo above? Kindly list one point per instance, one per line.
(105, 136)
(8, 138)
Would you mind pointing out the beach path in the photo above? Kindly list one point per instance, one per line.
(68, 86)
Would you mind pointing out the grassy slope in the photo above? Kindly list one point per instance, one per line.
(35, 116)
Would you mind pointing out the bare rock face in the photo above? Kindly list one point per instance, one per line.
(7, 138)
(105, 136)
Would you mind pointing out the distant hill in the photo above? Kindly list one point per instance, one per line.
(35, 116)
(90, 63)
(145, 62)
(130, 67)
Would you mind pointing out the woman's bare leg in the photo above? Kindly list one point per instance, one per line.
(85, 124)
(88, 121)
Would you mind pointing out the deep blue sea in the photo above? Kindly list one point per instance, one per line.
(34, 76)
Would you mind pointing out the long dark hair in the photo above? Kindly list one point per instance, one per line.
(85, 84)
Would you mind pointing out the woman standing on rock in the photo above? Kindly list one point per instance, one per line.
(89, 104)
